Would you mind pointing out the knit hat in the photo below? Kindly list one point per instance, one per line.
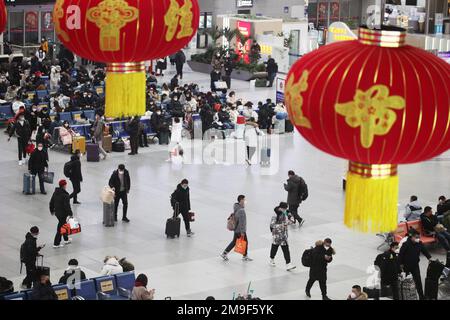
(62, 183)
(73, 262)
(34, 230)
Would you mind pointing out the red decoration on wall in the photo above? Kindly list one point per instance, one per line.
(3, 16)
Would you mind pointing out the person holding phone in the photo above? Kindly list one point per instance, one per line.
(29, 252)
(140, 291)
(321, 257)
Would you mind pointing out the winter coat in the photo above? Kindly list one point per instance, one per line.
(319, 264)
(133, 127)
(279, 228)
(31, 251)
(114, 181)
(141, 293)
(38, 162)
(66, 135)
(111, 267)
(409, 255)
(98, 130)
(176, 132)
(22, 130)
(182, 197)
(251, 134)
(443, 207)
(446, 220)
(272, 67)
(60, 204)
(75, 171)
(217, 64)
(389, 267)
(180, 58)
(413, 210)
(428, 223)
(69, 272)
(292, 187)
(241, 218)
(43, 292)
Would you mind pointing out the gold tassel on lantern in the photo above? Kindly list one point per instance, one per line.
(125, 90)
(371, 197)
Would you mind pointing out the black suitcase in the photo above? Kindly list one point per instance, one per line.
(173, 224)
(118, 146)
(434, 270)
(93, 152)
(108, 214)
(164, 137)
(288, 127)
(431, 289)
(41, 269)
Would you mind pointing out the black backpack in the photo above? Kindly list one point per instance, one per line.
(307, 257)
(303, 190)
(68, 169)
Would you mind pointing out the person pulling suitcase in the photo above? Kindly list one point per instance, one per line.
(107, 197)
(120, 182)
(180, 200)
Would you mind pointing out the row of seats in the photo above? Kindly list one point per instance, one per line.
(117, 287)
(74, 116)
(402, 231)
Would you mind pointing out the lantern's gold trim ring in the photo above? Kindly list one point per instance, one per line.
(382, 38)
(127, 67)
(373, 170)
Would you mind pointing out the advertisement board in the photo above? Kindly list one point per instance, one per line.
(243, 49)
(281, 81)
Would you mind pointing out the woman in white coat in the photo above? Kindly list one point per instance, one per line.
(111, 266)
(175, 138)
(251, 133)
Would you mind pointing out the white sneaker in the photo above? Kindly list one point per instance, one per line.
(245, 258)
(57, 247)
(224, 256)
(290, 267)
(272, 262)
(20, 163)
(68, 241)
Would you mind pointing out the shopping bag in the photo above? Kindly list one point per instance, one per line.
(241, 246)
(29, 148)
(48, 177)
(71, 227)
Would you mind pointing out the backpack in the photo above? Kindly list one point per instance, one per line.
(68, 169)
(231, 222)
(307, 257)
(303, 190)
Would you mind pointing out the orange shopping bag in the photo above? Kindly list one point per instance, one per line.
(241, 245)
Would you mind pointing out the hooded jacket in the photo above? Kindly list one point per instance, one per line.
(31, 250)
(241, 218)
(413, 210)
(69, 272)
(38, 162)
(75, 169)
(292, 187)
(114, 181)
(182, 197)
(111, 267)
(60, 204)
(279, 228)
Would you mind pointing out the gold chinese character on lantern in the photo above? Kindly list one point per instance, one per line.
(294, 96)
(179, 16)
(110, 16)
(58, 13)
(371, 110)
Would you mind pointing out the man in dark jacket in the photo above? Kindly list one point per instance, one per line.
(75, 176)
(265, 115)
(28, 255)
(322, 255)
(38, 164)
(272, 70)
(443, 206)
(73, 274)
(23, 132)
(181, 202)
(60, 207)
(389, 267)
(429, 223)
(409, 258)
(180, 60)
(133, 130)
(121, 183)
(43, 289)
(228, 67)
(297, 192)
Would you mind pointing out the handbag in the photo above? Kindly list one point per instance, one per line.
(241, 245)
(71, 227)
(191, 216)
(29, 148)
(48, 177)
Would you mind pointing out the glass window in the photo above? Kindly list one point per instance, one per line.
(16, 28)
(47, 29)
(209, 20)
(202, 22)
(31, 28)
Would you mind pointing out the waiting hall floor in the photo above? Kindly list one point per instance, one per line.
(190, 268)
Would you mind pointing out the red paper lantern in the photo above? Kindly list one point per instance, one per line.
(3, 16)
(378, 103)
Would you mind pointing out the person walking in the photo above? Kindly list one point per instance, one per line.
(228, 68)
(133, 130)
(72, 170)
(181, 201)
(22, 129)
(29, 252)
(120, 182)
(297, 192)
(38, 164)
(251, 133)
(272, 70)
(60, 207)
(322, 255)
(409, 258)
(279, 229)
(389, 267)
(180, 60)
(98, 127)
(240, 230)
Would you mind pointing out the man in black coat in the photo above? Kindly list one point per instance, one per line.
(60, 207)
(429, 223)
(409, 258)
(43, 289)
(75, 176)
(181, 202)
(133, 131)
(180, 60)
(228, 67)
(29, 252)
(389, 267)
(297, 192)
(322, 255)
(37, 165)
(23, 132)
(121, 183)
(272, 70)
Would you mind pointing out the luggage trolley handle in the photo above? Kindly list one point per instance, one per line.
(42, 260)
(176, 211)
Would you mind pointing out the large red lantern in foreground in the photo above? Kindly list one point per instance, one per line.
(378, 103)
(124, 34)
(3, 16)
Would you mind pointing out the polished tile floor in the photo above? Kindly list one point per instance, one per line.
(190, 268)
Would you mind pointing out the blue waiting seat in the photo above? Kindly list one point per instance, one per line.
(107, 288)
(42, 94)
(63, 292)
(15, 296)
(125, 283)
(76, 115)
(65, 116)
(100, 90)
(90, 114)
(147, 127)
(86, 289)
(5, 109)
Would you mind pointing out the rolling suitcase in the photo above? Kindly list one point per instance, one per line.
(434, 270)
(164, 137)
(407, 289)
(107, 143)
(108, 214)
(79, 143)
(173, 224)
(431, 288)
(93, 153)
(41, 269)
(29, 183)
(266, 153)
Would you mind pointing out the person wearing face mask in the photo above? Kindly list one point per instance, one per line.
(60, 207)
(279, 229)
(22, 130)
(181, 201)
(66, 134)
(357, 294)
(240, 230)
(43, 289)
(72, 170)
(389, 267)
(322, 255)
(133, 130)
(409, 259)
(38, 164)
(98, 128)
(120, 182)
(29, 252)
